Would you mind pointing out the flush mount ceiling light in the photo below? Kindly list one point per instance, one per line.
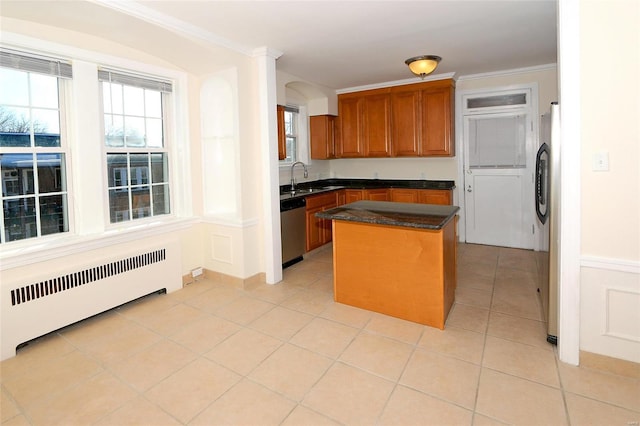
(424, 65)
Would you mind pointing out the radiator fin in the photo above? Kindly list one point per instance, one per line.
(85, 276)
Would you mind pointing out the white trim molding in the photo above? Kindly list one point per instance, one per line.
(432, 77)
(168, 22)
(503, 73)
(24, 255)
(620, 265)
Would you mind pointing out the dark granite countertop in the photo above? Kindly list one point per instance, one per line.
(304, 189)
(410, 215)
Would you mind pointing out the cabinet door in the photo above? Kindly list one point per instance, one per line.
(403, 195)
(406, 123)
(377, 194)
(341, 197)
(350, 142)
(352, 195)
(282, 139)
(437, 124)
(319, 230)
(435, 196)
(326, 225)
(377, 125)
(322, 136)
(315, 229)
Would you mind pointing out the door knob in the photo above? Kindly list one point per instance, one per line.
(469, 188)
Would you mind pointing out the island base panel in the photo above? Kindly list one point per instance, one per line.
(406, 273)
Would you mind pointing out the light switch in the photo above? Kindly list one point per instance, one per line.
(600, 162)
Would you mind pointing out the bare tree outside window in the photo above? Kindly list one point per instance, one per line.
(11, 122)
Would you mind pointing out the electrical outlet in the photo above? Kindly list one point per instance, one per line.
(195, 273)
(423, 175)
(375, 175)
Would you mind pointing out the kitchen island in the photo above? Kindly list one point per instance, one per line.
(398, 259)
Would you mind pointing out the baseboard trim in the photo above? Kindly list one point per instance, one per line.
(617, 366)
(241, 283)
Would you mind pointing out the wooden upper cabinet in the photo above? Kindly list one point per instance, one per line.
(322, 136)
(377, 125)
(437, 122)
(350, 140)
(414, 120)
(406, 122)
(282, 139)
(364, 124)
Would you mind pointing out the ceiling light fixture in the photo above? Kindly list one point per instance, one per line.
(424, 65)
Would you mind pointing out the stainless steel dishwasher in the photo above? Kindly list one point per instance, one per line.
(293, 230)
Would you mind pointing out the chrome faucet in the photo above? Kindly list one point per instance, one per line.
(293, 181)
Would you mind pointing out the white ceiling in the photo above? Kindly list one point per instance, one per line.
(338, 44)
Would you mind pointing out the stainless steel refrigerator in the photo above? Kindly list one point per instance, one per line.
(546, 202)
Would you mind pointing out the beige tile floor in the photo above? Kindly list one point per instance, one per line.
(287, 354)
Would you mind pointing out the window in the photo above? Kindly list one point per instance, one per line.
(33, 151)
(135, 139)
(291, 134)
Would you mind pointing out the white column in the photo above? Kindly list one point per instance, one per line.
(569, 262)
(86, 145)
(266, 75)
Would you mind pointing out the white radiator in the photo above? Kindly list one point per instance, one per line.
(39, 306)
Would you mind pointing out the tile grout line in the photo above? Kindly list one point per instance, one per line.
(484, 343)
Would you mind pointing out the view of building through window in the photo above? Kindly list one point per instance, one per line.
(137, 159)
(32, 156)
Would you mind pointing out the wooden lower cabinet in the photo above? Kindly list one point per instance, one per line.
(381, 194)
(422, 196)
(404, 195)
(378, 194)
(403, 272)
(353, 195)
(319, 230)
(435, 196)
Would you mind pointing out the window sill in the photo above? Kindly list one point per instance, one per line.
(40, 250)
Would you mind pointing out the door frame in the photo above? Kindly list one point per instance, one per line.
(459, 123)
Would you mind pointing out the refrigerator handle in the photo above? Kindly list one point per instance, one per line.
(541, 183)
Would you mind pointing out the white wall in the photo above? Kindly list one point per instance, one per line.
(610, 227)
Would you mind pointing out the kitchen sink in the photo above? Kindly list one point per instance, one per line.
(305, 191)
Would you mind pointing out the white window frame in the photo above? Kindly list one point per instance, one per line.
(64, 79)
(302, 137)
(88, 228)
(131, 78)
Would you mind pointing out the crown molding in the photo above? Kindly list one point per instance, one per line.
(144, 13)
(266, 51)
(513, 71)
(432, 77)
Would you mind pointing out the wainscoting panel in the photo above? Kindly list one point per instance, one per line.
(610, 308)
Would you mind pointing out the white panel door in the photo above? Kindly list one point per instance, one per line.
(498, 194)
